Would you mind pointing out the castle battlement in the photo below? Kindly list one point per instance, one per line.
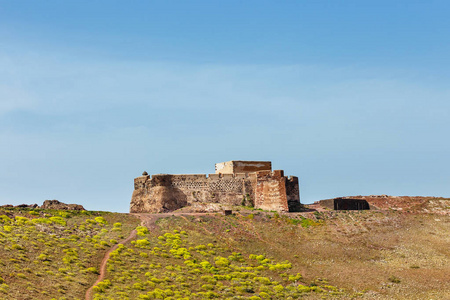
(234, 183)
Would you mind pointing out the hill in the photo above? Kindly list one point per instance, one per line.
(251, 254)
(54, 254)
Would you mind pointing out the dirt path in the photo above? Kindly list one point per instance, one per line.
(102, 274)
(147, 220)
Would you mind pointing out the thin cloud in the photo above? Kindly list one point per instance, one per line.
(75, 123)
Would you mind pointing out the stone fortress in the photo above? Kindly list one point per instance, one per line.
(250, 183)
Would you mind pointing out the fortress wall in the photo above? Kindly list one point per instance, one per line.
(189, 177)
(156, 194)
(160, 179)
(225, 189)
(163, 192)
(214, 182)
(191, 182)
(293, 194)
(224, 167)
(264, 189)
(292, 190)
(250, 188)
(239, 166)
(270, 193)
(227, 185)
(227, 176)
(241, 175)
(139, 182)
(251, 166)
(225, 198)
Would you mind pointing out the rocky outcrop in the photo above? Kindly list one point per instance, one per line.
(48, 204)
(158, 199)
(21, 205)
(28, 205)
(55, 204)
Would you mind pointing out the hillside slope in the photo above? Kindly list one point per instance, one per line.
(249, 255)
(372, 255)
(55, 254)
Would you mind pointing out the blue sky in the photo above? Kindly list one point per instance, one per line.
(351, 96)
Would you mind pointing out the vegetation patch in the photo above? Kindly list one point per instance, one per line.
(179, 264)
(52, 254)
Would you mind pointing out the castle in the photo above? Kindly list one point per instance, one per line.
(250, 183)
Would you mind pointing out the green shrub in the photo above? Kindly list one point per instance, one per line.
(8, 228)
(138, 286)
(296, 277)
(221, 261)
(278, 288)
(394, 279)
(64, 214)
(207, 287)
(102, 286)
(5, 219)
(142, 243)
(92, 270)
(17, 247)
(100, 220)
(303, 289)
(142, 231)
(263, 280)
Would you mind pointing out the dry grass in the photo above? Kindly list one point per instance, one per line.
(359, 251)
(50, 254)
(366, 255)
(173, 263)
